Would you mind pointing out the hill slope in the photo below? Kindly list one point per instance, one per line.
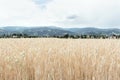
(56, 31)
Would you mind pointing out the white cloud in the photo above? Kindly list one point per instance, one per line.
(91, 13)
(99, 13)
(22, 13)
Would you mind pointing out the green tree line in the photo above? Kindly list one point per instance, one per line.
(20, 35)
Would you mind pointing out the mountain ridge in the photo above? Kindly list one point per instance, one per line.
(57, 31)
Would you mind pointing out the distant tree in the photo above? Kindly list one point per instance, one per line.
(66, 36)
(71, 36)
(83, 36)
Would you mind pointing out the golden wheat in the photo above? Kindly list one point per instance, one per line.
(59, 59)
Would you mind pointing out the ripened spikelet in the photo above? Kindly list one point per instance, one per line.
(59, 59)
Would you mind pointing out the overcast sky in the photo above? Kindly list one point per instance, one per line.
(61, 13)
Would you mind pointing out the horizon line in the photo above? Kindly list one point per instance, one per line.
(61, 27)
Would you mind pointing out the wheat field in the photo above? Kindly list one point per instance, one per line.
(59, 59)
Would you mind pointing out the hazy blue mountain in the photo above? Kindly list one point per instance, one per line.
(82, 30)
(13, 28)
(91, 30)
(2, 32)
(47, 31)
(56, 31)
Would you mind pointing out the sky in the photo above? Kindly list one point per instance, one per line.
(60, 13)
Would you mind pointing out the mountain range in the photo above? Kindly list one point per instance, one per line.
(57, 31)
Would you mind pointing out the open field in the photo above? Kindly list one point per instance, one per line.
(59, 59)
